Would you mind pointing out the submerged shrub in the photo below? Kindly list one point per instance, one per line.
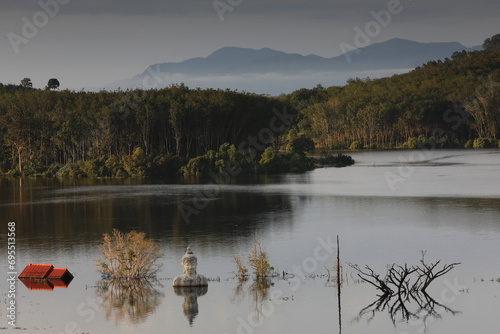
(129, 255)
(258, 259)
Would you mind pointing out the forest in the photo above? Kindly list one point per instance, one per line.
(52, 132)
(451, 103)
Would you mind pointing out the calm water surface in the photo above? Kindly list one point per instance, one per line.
(386, 209)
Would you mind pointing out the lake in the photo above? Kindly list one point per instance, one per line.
(386, 209)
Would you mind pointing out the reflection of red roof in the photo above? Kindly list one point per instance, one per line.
(60, 283)
(37, 284)
(34, 270)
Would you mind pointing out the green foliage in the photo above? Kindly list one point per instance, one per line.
(268, 156)
(199, 166)
(273, 163)
(445, 102)
(339, 160)
(301, 145)
(71, 170)
(482, 143)
(114, 167)
(136, 164)
(258, 259)
(52, 84)
(167, 165)
(356, 145)
(26, 83)
(492, 44)
(240, 265)
(94, 168)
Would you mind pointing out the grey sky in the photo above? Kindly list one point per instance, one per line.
(93, 42)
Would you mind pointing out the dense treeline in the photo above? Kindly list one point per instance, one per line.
(148, 133)
(42, 128)
(450, 102)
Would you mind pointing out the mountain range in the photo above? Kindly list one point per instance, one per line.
(270, 71)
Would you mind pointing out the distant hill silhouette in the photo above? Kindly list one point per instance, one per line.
(234, 67)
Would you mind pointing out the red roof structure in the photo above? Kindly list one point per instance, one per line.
(35, 270)
(37, 276)
(60, 273)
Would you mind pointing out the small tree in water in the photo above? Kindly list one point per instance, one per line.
(129, 255)
(258, 259)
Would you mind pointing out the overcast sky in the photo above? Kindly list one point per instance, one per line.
(86, 43)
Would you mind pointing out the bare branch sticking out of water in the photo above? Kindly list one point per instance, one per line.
(402, 287)
(398, 279)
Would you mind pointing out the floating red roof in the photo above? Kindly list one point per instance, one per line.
(45, 277)
(35, 270)
(61, 273)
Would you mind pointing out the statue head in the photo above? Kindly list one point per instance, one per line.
(189, 262)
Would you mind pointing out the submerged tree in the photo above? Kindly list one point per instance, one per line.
(403, 290)
(129, 255)
(257, 259)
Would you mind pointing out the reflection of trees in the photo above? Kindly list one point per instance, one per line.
(190, 305)
(416, 306)
(129, 300)
(258, 290)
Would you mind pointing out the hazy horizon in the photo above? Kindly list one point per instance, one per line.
(92, 43)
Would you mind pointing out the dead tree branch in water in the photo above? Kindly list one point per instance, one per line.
(408, 286)
(427, 274)
(373, 278)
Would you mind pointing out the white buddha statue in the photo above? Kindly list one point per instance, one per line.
(190, 277)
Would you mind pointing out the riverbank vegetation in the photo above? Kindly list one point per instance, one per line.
(178, 130)
(444, 104)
